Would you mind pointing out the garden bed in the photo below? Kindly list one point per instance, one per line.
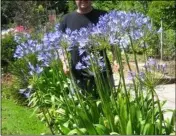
(169, 75)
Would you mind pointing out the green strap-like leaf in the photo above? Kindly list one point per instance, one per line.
(76, 131)
(148, 129)
(129, 127)
(102, 130)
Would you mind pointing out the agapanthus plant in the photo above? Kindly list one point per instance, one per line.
(115, 111)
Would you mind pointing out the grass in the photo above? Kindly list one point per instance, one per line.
(17, 120)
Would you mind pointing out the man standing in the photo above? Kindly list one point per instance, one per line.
(82, 17)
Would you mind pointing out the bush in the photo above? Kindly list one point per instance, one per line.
(10, 88)
(68, 109)
(169, 45)
(8, 47)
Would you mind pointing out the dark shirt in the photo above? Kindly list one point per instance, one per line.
(75, 21)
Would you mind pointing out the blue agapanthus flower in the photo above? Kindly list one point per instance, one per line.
(35, 70)
(114, 28)
(131, 75)
(153, 65)
(46, 50)
(121, 23)
(80, 66)
(26, 92)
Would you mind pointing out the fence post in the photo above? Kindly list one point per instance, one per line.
(161, 40)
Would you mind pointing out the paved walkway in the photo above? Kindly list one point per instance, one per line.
(165, 92)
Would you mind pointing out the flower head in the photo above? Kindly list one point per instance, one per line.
(35, 70)
(131, 75)
(80, 66)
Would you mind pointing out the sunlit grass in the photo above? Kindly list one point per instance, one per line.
(18, 120)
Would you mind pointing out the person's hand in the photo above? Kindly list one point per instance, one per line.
(66, 69)
(115, 67)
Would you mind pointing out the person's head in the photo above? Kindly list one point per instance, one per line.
(84, 6)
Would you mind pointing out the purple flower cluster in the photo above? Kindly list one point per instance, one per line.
(35, 70)
(45, 49)
(118, 25)
(26, 92)
(87, 61)
(133, 75)
(113, 28)
(152, 65)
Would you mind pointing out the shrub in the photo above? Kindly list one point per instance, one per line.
(8, 47)
(68, 109)
(10, 89)
(169, 44)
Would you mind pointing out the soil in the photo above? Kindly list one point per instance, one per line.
(6, 79)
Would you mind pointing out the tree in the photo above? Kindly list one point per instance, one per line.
(71, 6)
(30, 13)
(164, 10)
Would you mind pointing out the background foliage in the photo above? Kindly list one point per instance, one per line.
(18, 12)
(155, 9)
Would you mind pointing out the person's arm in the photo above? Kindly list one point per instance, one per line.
(115, 64)
(62, 54)
(64, 61)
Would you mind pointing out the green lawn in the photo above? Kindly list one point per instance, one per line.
(18, 120)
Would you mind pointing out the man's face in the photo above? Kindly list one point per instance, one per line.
(83, 4)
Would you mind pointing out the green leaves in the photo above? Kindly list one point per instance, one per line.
(170, 123)
(68, 111)
(148, 129)
(65, 130)
(101, 130)
(129, 130)
(80, 131)
(75, 114)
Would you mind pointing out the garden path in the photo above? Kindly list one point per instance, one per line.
(165, 92)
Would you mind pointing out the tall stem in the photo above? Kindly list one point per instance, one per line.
(101, 88)
(79, 98)
(119, 58)
(160, 112)
(135, 88)
(49, 125)
(135, 57)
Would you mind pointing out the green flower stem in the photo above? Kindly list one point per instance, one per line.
(49, 125)
(78, 96)
(134, 83)
(68, 106)
(135, 57)
(152, 107)
(136, 63)
(119, 59)
(145, 52)
(160, 112)
(112, 88)
(135, 88)
(101, 88)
